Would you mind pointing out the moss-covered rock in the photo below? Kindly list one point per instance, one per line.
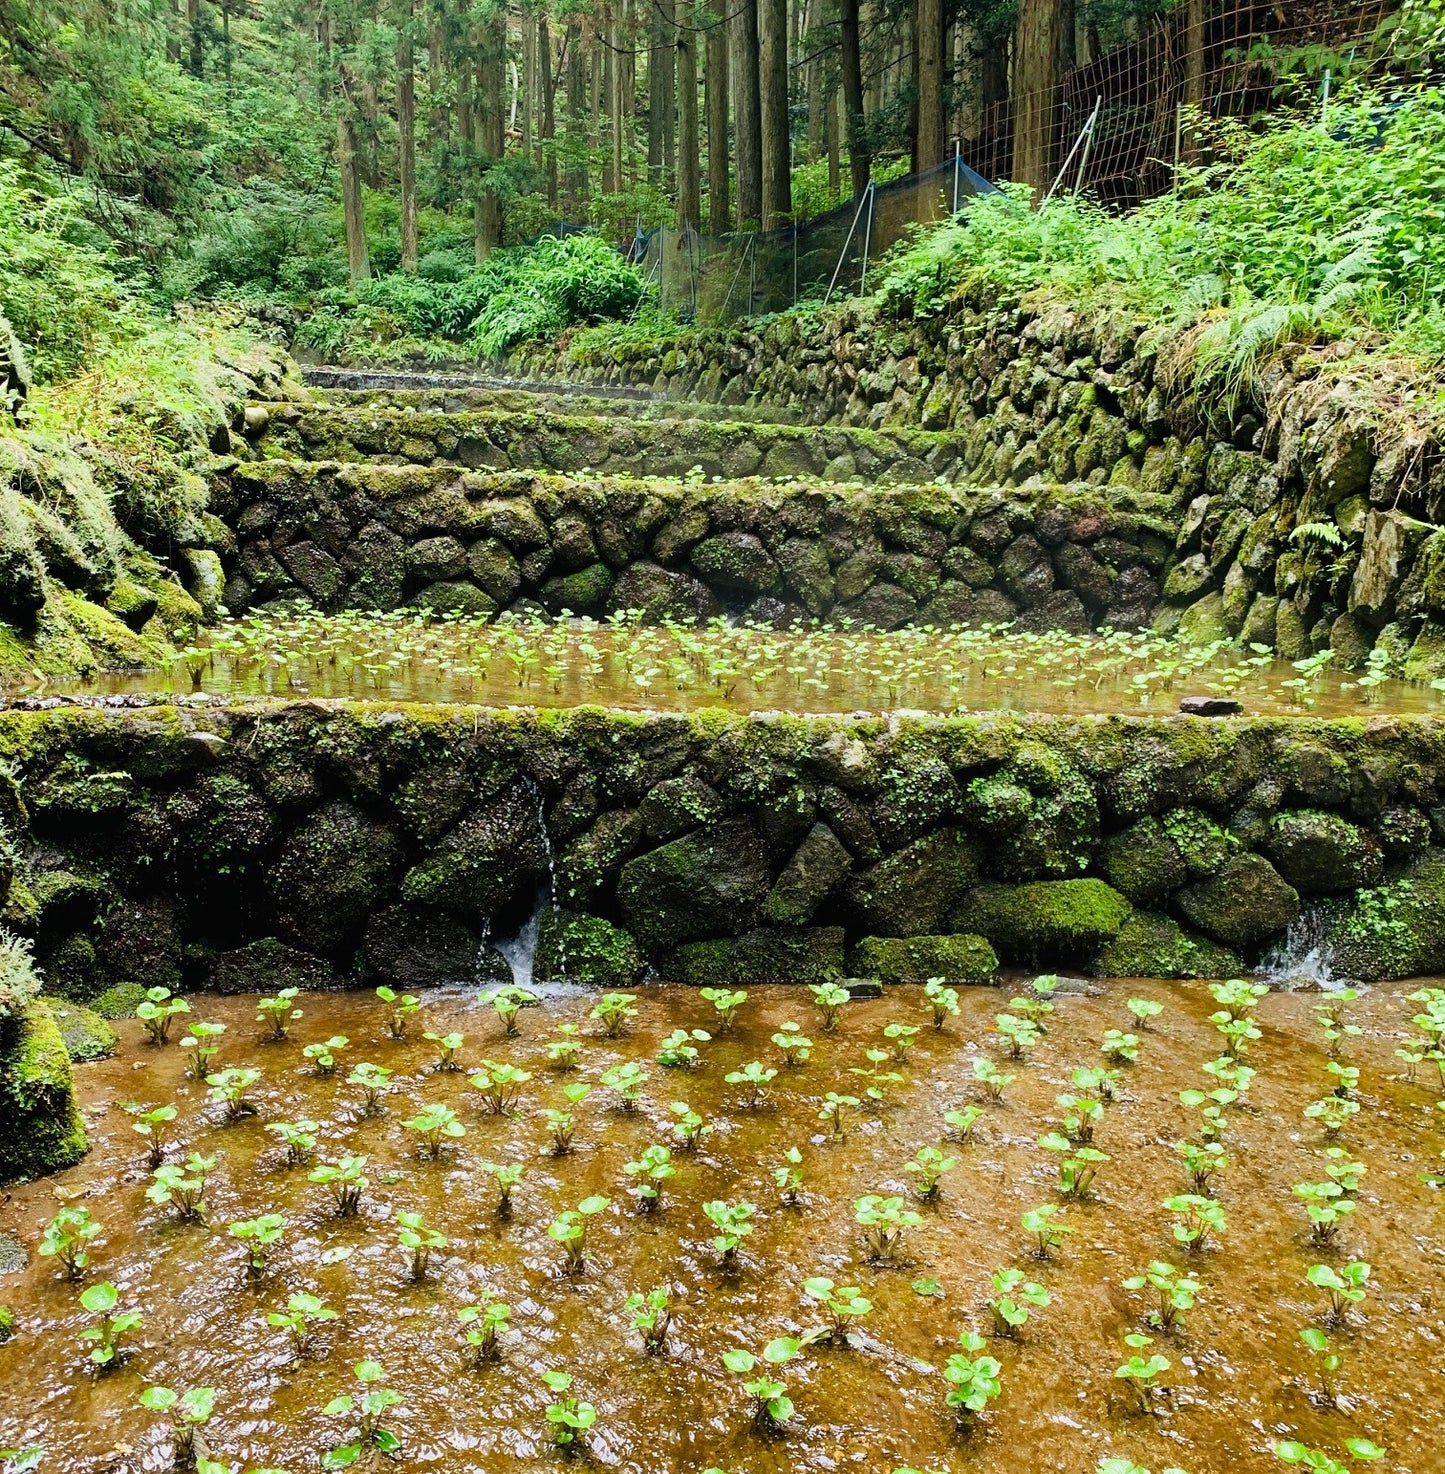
(1395, 930)
(767, 955)
(1040, 812)
(491, 862)
(1066, 921)
(676, 805)
(959, 958)
(817, 868)
(266, 965)
(1143, 862)
(914, 890)
(1323, 854)
(118, 1001)
(7, 1323)
(595, 857)
(585, 949)
(85, 1033)
(1204, 846)
(1150, 945)
(40, 1126)
(410, 947)
(1245, 902)
(583, 592)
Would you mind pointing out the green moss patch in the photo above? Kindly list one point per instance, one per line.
(768, 955)
(960, 958)
(1150, 945)
(1050, 920)
(587, 950)
(85, 1033)
(40, 1126)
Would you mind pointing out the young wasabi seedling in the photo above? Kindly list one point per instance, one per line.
(508, 1002)
(435, 1125)
(795, 1046)
(183, 1188)
(399, 1009)
(1144, 1011)
(688, 1128)
(1344, 1288)
(1203, 1162)
(612, 1011)
(368, 1407)
(940, 1001)
(1082, 1114)
(1098, 1081)
(447, 1046)
(1231, 1073)
(772, 1407)
(1019, 1035)
(1287, 1451)
(500, 1086)
(259, 1235)
(1199, 1221)
(1333, 1113)
(1347, 1079)
(1238, 1034)
(1327, 1206)
(961, 1122)
(1336, 1028)
(679, 1050)
(569, 1419)
(278, 1013)
(844, 1304)
(188, 1412)
(373, 1081)
(1015, 1295)
(1035, 1006)
(830, 999)
(1211, 1106)
(1344, 1170)
(733, 1222)
(157, 1010)
(323, 1056)
(1120, 1046)
(1175, 1293)
(993, 1079)
(1411, 1053)
(1078, 1166)
(418, 1242)
(628, 1080)
(482, 1328)
(651, 1317)
(788, 1178)
(298, 1137)
(507, 1176)
(835, 1107)
(1142, 1372)
(929, 1166)
(569, 1229)
(230, 1089)
(346, 1182)
(563, 1053)
(900, 1036)
(1327, 1359)
(650, 1170)
(973, 1380)
(754, 1077)
(303, 1313)
(156, 1125)
(202, 1045)
(1236, 997)
(726, 1001)
(562, 1125)
(67, 1239)
(1047, 1228)
(883, 1221)
(101, 1301)
(879, 1079)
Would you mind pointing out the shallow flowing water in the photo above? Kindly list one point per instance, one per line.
(1239, 1377)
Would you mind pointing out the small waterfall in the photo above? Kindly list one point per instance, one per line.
(521, 950)
(1303, 958)
(550, 895)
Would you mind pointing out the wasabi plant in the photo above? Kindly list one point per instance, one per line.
(844, 1304)
(303, 1313)
(726, 1001)
(883, 1221)
(1175, 1293)
(418, 1242)
(435, 1125)
(373, 1081)
(1078, 1167)
(689, 1128)
(1236, 997)
(772, 1407)
(101, 1301)
(1144, 1010)
(1327, 1206)
(278, 1014)
(1344, 1288)
(940, 1001)
(651, 1317)
(788, 1178)
(1047, 1228)
(993, 1079)
(157, 1010)
(1333, 1113)
(973, 1380)
(346, 1182)
(830, 999)
(507, 1001)
(67, 1239)
(612, 1011)
(1287, 1451)
(1120, 1046)
(298, 1137)
(562, 1125)
(482, 1327)
(1238, 1034)
(1231, 1073)
(563, 1053)
(447, 1046)
(1203, 1162)
(1082, 1114)
(733, 1222)
(500, 1086)
(569, 1229)
(506, 1176)
(156, 1125)
(754, 1077)
(1199, 1220)
(229, 1089)
(569, 1419)
(399, 1008)
(679, 1050)
(189, 1412)
(1140, 1372)
(651, 1170)
(900, 1036)
(628, 1080)
(961, 1122)
(1344, 1170)
(1326, 1358)
(929, 1166)
(323, 1056)
(183, 1188)
(834, 1107)
(1019, 1035)
(1411, 1053)
(1015, 1295)
(368, 1407)
(1097, 1081)
(1035, 1007)
(795, 1046)
(202, 1045)
(1336, 1028)
(876, 1091)
(259, 1235)
(1211, 1106)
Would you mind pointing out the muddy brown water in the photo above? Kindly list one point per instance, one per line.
(1239, 1377)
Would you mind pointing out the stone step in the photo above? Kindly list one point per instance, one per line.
(378, 537)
